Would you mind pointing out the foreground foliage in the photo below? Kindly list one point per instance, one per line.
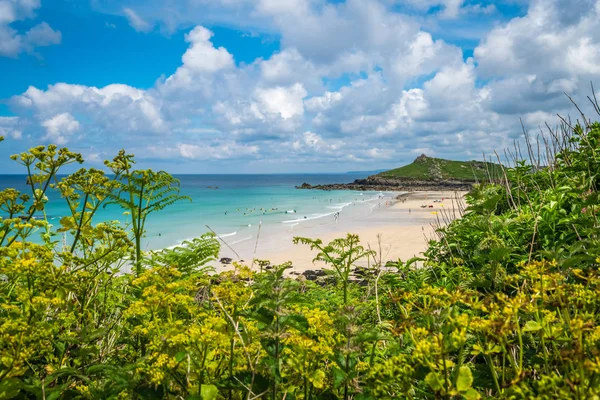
(504, 306)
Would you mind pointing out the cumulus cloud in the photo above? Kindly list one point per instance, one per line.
(42, 35)
(10, 127)
(60, 127)
(13, 42)
(114, 106)
(554, 48)
(285, 101)
(312, 142)
(200, 62)
(216, 151)
(536, 44)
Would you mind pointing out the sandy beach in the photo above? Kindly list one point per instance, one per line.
(397, 226)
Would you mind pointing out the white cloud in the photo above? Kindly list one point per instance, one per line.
(285, 101)
(42, 35)
(60, 127)
(11, 127)
(538, 43)
(13, 42)
(377, 153)
(424, 56)
(324, 102)
(202, 56)
(450, 9)
(114, 108)
(412, 105)
(534, 59)
(584, 57)
(289, 67)
(136, 22)
(200, 61)
(215, 151)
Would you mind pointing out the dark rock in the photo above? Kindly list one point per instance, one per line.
(379, 183)
(313, 275)
(331, 280)
(421, 159)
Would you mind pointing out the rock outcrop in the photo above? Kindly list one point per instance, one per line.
(386, 184)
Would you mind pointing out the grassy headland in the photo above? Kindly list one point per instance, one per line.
(438, 169)
(425, 173)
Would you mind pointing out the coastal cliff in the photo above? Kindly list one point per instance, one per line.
(424, 174)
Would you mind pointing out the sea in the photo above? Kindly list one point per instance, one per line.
(232, 206)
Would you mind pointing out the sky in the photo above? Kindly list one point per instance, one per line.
(278, 86)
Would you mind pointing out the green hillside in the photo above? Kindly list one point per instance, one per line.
(429, 168)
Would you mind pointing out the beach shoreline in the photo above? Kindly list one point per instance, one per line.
(397, 225)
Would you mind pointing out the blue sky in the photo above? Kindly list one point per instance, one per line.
(288, 85)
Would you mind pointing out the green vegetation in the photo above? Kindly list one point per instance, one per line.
(505, 305)
(429, 168)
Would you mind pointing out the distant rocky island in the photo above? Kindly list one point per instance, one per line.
(423, 174)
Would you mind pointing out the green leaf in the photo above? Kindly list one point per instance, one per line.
(434, 380)
(472, 394)
(464, 381)
(180, 356)
(9, 388)
(531, 326)
(338, 377)
(209, 392)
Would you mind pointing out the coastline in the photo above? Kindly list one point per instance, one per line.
(400, 224)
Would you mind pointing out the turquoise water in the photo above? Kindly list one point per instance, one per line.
(239, 204)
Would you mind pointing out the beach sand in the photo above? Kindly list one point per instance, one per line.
(399, 227)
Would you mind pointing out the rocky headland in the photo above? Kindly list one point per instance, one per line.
(424, 174)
